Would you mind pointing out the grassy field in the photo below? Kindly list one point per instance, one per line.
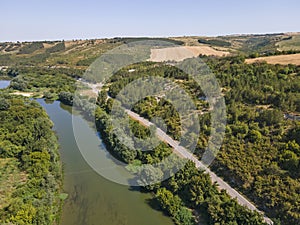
(291, 44)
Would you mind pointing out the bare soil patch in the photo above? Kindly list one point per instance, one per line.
(47, 45)
(25, 94)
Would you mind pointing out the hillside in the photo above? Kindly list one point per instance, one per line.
(81, 53)
(278, 59)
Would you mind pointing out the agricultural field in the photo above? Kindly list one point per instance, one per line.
(278, 59)
(184, 52)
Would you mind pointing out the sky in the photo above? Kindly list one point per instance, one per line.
(25, 20)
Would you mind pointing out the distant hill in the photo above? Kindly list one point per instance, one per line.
(81, 53)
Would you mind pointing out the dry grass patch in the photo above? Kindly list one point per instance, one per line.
(47, 45)
(278, 59)
(183, 52)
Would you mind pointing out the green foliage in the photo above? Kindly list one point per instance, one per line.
(260, 43)
(27, 138)
(151, 108)
(256, 157)
(196, 191)
(184, 217)
(31, 47)
(223, 210)
(290, 43)
(12, 72)
(56, 48)
(5, 59)
(49, 96)
(294, 133)
(86, 62)
(215, 42)
(257, 44)
(254, 136)
(130, 40)
(289, 160)
(170, 203)
(260, 153)
(38, 58)
(187, 188)
(272, 53)
(4, 104)
(149, 175)
(123, 152)
(270, 117)
(52, 81)
(258, 84)
(66, 98)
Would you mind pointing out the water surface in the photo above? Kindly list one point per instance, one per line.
(4, 84)
(93, 200)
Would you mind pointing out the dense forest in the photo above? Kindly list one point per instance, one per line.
(31, 172)
(43, 82)
(188, 196)
(260, 154)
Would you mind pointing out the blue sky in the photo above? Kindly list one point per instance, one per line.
(61, 19)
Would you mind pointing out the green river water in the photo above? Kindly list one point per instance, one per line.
(93, 200)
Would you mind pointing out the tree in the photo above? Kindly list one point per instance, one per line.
(66, 98)
(289, 160)
(12, 73)
(4, 104)
(169, 203)
(185, 216)
(149, 177)
(254, 136)
(270, 117)
(200, 189)
(25, 215)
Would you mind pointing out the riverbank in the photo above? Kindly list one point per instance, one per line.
(93, 199)
(31, 173)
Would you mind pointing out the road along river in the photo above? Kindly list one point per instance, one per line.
(92, 199)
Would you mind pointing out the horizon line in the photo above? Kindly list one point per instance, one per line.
(150, 36)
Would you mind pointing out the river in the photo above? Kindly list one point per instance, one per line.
(4, 84)
(93, 200)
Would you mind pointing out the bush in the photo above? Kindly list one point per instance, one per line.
(30, 48)
(215, 42)
(57, 48)
(66, 98)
